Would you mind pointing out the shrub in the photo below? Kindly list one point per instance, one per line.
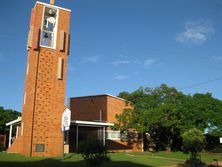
(94, 152)
(193, 142)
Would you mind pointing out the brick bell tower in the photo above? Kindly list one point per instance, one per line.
(44, 92)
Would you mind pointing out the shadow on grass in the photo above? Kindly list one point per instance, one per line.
(58, 163)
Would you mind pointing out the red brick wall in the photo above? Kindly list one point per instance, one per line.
(45, 94)
(115, 106)
(30, 82)
(17, 146)
(88, 108)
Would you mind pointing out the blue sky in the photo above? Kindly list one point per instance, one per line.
(120, 45)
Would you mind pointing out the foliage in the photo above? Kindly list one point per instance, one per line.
(164, 114)
(94, 152)
(193, 142)
(2, 148)
(212, 143)
(124, 123)
(7, 115)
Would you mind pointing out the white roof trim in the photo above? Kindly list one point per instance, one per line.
(116, 97)
(52, 6)
(14, 121)
(106, 94)
(92, 123)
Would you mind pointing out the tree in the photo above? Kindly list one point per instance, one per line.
(7, 115)
(165, 114)
(193, 142)
(209, 113)
(155, 110)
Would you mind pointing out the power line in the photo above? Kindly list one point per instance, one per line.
(201, 83)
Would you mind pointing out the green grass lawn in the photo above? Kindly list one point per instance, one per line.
(116, 160)
(206, 157)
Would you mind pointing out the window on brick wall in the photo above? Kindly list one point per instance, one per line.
(40, 147)
(113, 135)
(123, 136)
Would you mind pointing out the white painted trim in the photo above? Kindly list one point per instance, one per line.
(18, 120)
(56, 29)
(106, 94)
(10, 136)
(86, 125)
(91, 123)
(52, 6)
(42, 24)
(43, 46)
(116, 97)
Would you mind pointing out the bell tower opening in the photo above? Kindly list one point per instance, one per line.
(49, 27)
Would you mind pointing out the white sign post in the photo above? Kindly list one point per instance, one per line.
(221, 140)
(66, 119)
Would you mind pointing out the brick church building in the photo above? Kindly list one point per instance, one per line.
(38, 131)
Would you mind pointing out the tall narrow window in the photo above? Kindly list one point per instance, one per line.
(24, 99)
(27, 69)
(49, 27)
(60, 68)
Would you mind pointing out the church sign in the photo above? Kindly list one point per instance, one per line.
(66, 119)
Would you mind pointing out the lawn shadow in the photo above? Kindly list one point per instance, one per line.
(67, 163)
(42, 163)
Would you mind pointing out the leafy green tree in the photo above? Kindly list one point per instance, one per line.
(125, 120)
(193, 142)
(155, 111)
(208, 113)
(165, 113)
(7, 115)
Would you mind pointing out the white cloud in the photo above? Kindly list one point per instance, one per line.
(90, 59)
(120, 62)
(122, 77)
(148, 62)
(196, 32)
